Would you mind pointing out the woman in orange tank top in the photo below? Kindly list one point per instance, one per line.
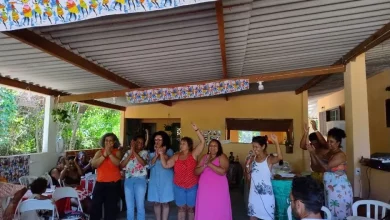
(108, 181)
(184, 178)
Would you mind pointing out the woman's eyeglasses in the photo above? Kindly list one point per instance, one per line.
(157, 139)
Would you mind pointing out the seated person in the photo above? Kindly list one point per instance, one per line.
(55, 177)
(61, 162)
(71, 175)
(37, 187)
(84, 162)
(231, 157)
(307, 198)
(10, 190)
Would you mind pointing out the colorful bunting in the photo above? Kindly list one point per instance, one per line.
(18, 14)
(188, 92)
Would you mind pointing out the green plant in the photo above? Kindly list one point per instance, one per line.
(61, 116)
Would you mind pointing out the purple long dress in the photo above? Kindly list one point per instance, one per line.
(213, 197)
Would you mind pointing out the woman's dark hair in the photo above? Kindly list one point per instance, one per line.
(81, 153)
(338, 134)
(261, 140)
(59, 159)
(307, 190)
(313, 137)
(220, 150)
(38, 186)
(51, 170)
(116, 140)
(166, 140)
(53, 180)
(139, 136)
(190, 143)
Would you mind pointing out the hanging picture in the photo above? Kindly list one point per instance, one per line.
(14, 167)
(188, 92)
(211, 134)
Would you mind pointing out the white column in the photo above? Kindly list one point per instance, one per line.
(297, 139)
(356, 117)
(49, 127)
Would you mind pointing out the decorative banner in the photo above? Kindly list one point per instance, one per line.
(18, 14)
(187, 92)
(14, 167)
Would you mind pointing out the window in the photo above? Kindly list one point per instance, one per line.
(334, 115)
(246, 136)
(243, 130)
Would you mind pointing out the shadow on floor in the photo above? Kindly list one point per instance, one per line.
(237, 200)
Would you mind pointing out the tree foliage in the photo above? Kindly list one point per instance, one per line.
(22, 117)
(21, 122)
(93, 124)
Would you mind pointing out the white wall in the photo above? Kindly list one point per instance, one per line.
(42, 163)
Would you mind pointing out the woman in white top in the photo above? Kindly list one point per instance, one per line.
(134, 162)
(261, 204)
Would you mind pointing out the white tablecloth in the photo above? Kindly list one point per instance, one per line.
(358, 218)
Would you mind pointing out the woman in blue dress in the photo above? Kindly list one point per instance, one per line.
(160, 190)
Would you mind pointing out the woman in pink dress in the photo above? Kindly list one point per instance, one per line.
(213, 197)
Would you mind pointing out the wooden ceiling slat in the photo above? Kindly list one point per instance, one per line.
(34, 88)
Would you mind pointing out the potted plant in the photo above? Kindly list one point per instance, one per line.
(61, 116)
(168, 128)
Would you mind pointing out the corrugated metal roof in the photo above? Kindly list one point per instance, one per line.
(21, 61)
(377, 60)
(181, 45)
(150, 48)
(285, 35)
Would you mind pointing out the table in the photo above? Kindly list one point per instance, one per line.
(282, 189)
(358, 218)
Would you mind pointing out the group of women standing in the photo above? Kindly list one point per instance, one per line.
(328, 163)
(176, 177)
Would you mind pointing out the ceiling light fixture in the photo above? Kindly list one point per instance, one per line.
(261, 87)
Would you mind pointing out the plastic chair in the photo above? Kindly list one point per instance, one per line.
(48, 178)
(368, 203)
(35, 204)
(328, 214)
(5, 202)
(67, 192)
(88, 179)
(27, 180)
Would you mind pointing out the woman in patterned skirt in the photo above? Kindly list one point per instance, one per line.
(261, 204)
(338, 189)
